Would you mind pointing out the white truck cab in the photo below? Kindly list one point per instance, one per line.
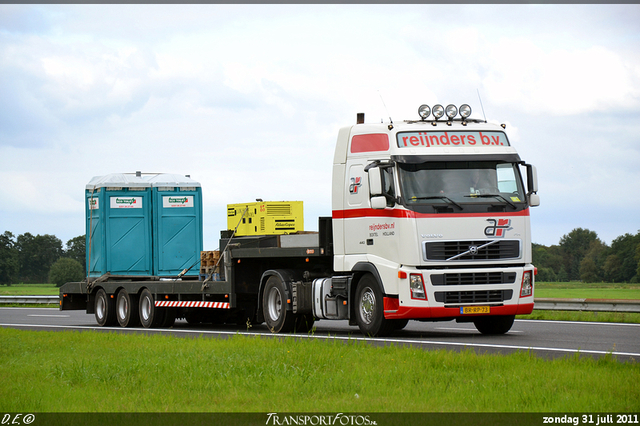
(437, 213)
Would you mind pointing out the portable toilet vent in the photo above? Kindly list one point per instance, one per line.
(118, 227)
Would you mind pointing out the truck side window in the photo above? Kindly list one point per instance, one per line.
(387, 185)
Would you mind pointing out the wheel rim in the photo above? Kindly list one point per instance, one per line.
(146, 309)
(367, 305)
(274, 302)
(123, 307)
(101, 307)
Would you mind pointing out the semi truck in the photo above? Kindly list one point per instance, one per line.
(430, 221)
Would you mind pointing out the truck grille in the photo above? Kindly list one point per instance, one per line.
(474, 278)
(472, 250)
(463, 297)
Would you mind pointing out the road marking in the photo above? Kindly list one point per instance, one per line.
(54, 316)
(628, 324)
(344, 338)
(470, 329)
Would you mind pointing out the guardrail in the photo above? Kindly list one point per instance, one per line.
(592, 305)
(45, 300)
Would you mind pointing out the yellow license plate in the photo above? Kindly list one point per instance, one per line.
(466, 310)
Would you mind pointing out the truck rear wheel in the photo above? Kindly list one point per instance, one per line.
(127, 309)
(274, 306)
(304, 323)
(105, 309)
(370, 309)
(494, 325)
(150, 316)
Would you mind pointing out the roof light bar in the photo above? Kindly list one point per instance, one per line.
(439, 111)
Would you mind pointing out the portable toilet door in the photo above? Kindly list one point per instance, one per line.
(124, 224)
(94, 231)
(177, 224)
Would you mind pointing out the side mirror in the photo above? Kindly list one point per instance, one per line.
(534, 200)
(375, 181)
(379, 202)
(532, 178)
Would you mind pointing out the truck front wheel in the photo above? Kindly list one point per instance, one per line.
(274, 306)
(105, 309)
(494, 325)
(370, 309)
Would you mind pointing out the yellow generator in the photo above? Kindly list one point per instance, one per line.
(266, 218)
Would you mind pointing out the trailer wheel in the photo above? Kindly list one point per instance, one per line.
(169, 318)
(494, 325)
(127, 309)
(274, 306)
(150, 316)
(370, 309)
(105, 309)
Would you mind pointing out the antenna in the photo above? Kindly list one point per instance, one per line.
(385, 107)
(481, 106)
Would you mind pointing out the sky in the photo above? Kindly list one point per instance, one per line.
(248, 100)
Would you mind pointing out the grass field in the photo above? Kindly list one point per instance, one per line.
(71, 371)
(29, 290)
(575, 290)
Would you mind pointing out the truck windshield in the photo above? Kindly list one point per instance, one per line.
(462, 186)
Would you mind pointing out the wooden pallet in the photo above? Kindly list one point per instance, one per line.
(210, 262)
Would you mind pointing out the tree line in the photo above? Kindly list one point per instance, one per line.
(41, 259)
(582, 256)
(579, 256)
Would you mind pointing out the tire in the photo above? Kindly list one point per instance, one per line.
(169, 318)
(399, 324)
(127, 309)
(304, 323)
(150, 315)
(274, 307)
(369, 307)
(105, 309)
(494, 325)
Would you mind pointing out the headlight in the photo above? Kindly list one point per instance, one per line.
(451, 111)
(417, 287)
(465, 111)
(438, 111)
(424, 111)
(527, 284)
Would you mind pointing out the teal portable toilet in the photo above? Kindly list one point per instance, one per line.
(119, 225)
(177, 224)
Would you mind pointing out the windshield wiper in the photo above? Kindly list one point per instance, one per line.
(498, 196)
(440, 197)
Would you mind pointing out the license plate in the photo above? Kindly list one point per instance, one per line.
(466, 310)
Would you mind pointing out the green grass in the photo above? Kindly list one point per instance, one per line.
(622, 317)
(29, 290)
(72, 371)
(574, 290)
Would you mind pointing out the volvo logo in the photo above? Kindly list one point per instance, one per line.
(473, 250)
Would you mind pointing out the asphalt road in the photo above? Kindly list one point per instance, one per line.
(549, 339)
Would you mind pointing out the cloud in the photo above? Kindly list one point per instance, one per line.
(560, 82)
